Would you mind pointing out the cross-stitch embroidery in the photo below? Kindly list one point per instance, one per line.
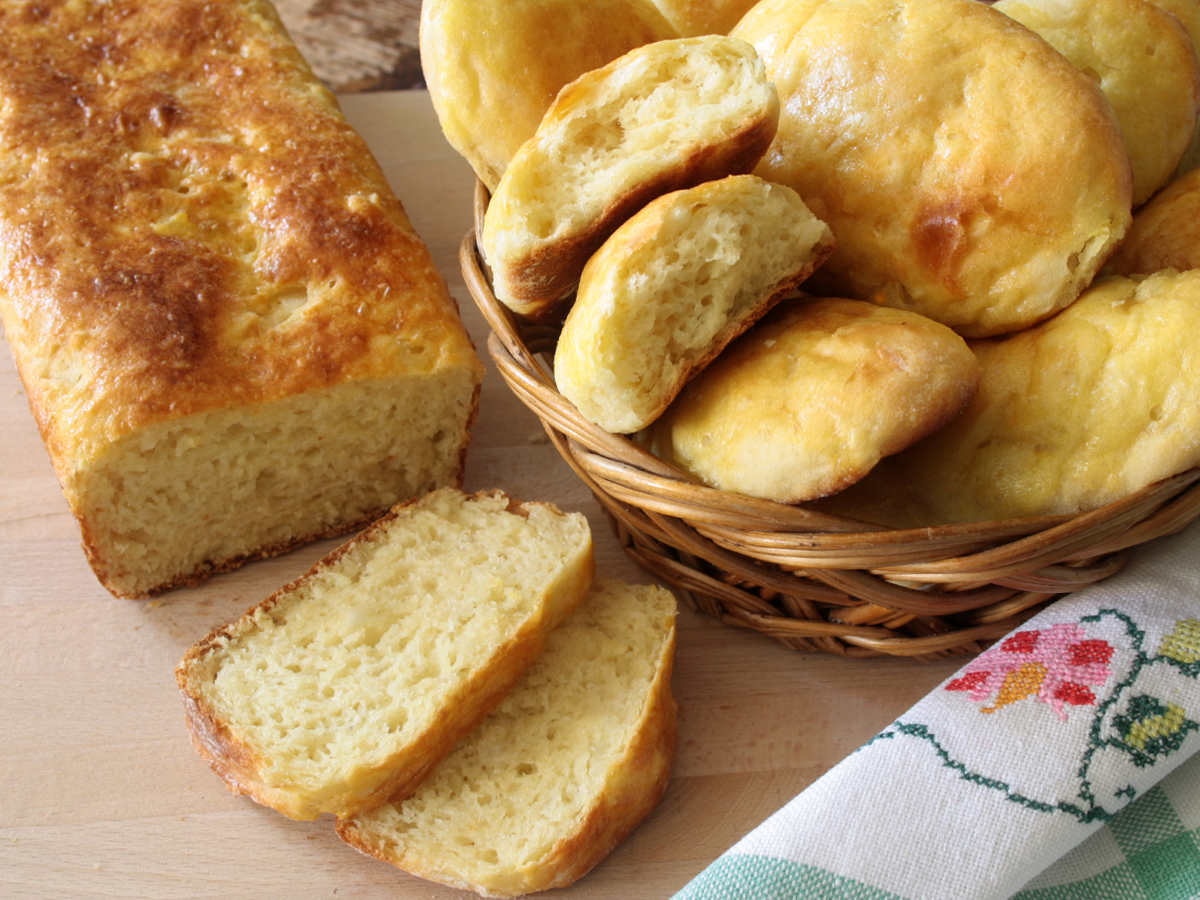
(1064, 667)
(1056, 665)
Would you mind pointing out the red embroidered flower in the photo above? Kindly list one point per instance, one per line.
(1056, 665)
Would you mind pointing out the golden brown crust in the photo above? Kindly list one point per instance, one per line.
(171, 141)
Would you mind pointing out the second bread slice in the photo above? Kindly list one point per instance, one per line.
(347, 686)
(564, 768)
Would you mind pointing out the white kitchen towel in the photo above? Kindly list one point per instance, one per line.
(1039, 770)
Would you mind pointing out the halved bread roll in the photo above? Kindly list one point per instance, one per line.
(673, 286)
(666, 116)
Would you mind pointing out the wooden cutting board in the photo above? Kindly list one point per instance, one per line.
(101, 794)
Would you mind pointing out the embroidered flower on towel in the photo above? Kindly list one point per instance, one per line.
(1056, 665)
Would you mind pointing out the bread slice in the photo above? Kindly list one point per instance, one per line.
(345, 687)
(565, 768)
(664, 116)
(673, 286)
(230, 335)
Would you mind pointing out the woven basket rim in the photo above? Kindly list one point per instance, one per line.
(815, 581)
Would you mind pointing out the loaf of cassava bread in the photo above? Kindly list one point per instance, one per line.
(666, 116)
(231, 337)
(344, 688)
(564, 768)
(673, 286)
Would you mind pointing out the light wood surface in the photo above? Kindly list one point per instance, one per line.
(101, 794)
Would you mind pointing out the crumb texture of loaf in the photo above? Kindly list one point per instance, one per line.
(663, 117)
(565, 767)
(673, 286)
(344, 688)
(207, 282)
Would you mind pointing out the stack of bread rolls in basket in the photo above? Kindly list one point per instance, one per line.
(892, 265)
(853, 254)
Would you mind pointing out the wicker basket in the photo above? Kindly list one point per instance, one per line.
(817, 582)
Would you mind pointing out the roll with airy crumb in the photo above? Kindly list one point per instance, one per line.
(665, 116)
(493, 67)
(673, 286)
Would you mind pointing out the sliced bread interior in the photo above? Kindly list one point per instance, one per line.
(345, 687)
(565, 767)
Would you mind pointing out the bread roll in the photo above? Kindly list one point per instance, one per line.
(968, 171)
(1188, 13)
(692, 18)
(1144, 61)
(663, 117)
(811, 398)
(231, 337)
(673, 286)
(346, 687)
(1165, 233)
(1078, 412)
(564, 768)
(494, 66)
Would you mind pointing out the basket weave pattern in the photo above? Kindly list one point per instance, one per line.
(816, 582)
